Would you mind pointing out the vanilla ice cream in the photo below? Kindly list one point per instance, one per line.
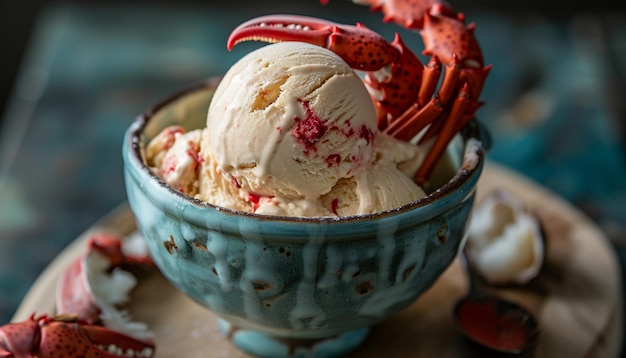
(174, 155)
(291, 130)
(289, 120)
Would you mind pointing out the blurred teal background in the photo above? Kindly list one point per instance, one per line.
(554, 104)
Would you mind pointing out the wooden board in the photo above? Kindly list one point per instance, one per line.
(577, 297)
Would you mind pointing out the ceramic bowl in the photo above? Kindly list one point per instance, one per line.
(274, 281)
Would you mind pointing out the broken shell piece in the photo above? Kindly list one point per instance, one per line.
(505, 243)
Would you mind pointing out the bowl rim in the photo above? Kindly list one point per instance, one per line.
(465, 177)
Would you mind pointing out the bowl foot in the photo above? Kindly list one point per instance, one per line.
(262, 345)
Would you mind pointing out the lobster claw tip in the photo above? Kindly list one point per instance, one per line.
(278, 28)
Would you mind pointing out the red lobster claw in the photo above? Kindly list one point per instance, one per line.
(360, 47)
(439, 28)
(94, 285)
(104, 253)
(409, 98)
(65, 336)
(87, 322)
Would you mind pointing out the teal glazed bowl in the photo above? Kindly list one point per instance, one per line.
(284, 286)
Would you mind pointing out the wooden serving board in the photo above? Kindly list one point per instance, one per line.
(576, 298)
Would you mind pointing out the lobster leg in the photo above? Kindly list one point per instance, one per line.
(420, 115)
(413, 121)
(432, 71)
(450, 80)
(453, 121)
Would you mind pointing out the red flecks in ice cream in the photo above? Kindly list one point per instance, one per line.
(312, 128)
(334, 205)
(254, 199)
(333, 159)
(170, 135)
(366, 134)
(309, 129)
(169, 164)
(348, 130)
(193, 154)
(235, 182)
(172, 130)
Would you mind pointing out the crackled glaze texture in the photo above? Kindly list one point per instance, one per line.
(290, 277)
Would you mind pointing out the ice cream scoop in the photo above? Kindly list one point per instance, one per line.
(291, 121)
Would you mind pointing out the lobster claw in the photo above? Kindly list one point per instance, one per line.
(94, 285)
(18, 339)
(361, 48)
(86, 287)
(439, 29)
(45, 336)
(88, 323)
